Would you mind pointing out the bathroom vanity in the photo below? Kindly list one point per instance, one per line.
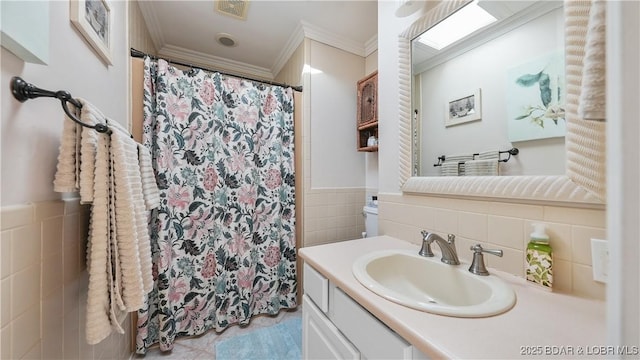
(337, 327)
(343, 319)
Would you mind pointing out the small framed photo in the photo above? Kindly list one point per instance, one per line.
(463, 109)
(93, 18)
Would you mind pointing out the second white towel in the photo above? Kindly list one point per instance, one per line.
(488, 167)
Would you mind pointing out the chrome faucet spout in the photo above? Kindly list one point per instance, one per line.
(447, 247)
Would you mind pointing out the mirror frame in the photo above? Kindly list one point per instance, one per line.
(583, 184)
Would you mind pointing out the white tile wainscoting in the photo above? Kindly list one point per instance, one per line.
(44, 284)
(332, 215)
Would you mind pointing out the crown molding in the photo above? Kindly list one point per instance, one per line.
(152, 22)
(318, 34)
(296, 38)
(304, 29)
(371, 45)
(198, 58)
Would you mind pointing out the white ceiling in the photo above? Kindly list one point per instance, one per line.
(186, 31)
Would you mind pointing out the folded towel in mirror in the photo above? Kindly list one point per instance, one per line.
(450, 168)
(488, 167)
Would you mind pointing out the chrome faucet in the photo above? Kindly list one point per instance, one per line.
(447, 247)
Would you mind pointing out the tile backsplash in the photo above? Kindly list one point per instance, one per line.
(504, 226)
(44, 284)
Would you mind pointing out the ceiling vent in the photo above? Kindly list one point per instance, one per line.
(234, 8)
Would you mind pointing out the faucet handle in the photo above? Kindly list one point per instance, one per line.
(477, 265)
(425, 250)
(451, 239)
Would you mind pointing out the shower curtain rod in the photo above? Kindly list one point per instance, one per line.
(140, 54)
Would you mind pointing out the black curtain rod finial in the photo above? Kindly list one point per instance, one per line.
(18, 87)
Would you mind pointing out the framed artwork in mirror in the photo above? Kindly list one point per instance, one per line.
(463, 109)
(535, 99)
(93, 19)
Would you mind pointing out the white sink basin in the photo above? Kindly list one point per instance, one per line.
(430, 285)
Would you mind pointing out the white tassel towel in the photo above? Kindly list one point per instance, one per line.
(114, 174)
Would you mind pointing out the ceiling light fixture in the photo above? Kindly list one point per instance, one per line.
(463, 22)
(226, 40)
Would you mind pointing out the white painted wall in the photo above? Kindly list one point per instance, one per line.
(491, 62)
(31, 131)
(335, 163)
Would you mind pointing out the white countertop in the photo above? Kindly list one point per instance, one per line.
(541, 324)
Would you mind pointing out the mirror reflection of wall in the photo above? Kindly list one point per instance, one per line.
(513, 76)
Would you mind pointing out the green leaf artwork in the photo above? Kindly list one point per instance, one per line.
(535, 98)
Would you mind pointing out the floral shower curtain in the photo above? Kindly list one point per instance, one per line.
(223, 240)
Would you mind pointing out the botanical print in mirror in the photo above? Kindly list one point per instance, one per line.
(535, 99)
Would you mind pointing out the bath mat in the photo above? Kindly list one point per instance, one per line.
(282, 341)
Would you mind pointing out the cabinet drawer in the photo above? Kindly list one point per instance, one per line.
(320, 338)
(370, 336)
(316, 287)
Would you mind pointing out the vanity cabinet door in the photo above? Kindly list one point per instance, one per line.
(316, 287)
(320, 338)
(373, 338)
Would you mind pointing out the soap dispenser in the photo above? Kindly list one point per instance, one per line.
(540, 258)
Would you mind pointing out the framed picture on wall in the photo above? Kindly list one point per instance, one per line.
(463, 109)
(93, 18)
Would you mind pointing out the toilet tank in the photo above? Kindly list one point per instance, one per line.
(370, 220)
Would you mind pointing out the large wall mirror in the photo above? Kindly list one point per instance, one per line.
(514, 83)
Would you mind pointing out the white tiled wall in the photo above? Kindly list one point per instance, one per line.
(504, 226)
(332, 215)
(44, 284)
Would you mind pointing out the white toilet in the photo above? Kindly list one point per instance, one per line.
(370, 213)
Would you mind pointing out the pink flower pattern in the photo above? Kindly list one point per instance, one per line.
(247, 114)
(207, 93)
(178, 289)
(238, 244)
(225, 198)
(179, 197)
(246, 277)
(272, 256)
(177, 107)
(210, 179)
(248, 194)
(274, 179)
(209, 267)
(270, 105)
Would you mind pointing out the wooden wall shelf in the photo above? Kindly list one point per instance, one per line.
(367, 113)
